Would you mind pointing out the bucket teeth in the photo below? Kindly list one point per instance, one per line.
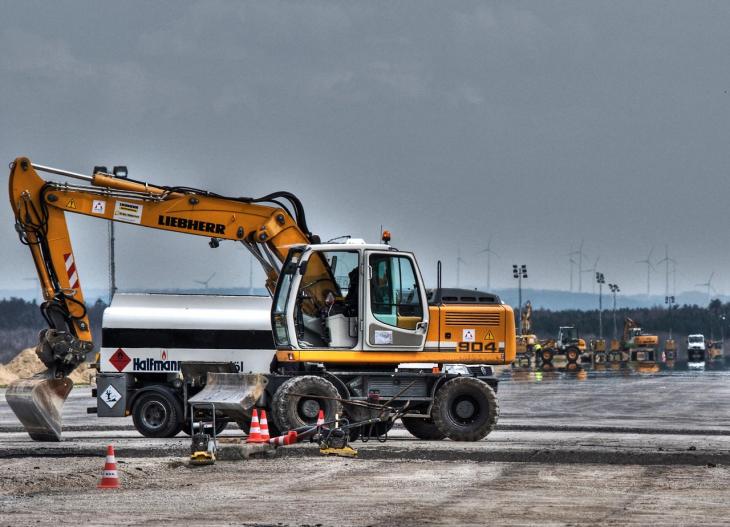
(37, 402)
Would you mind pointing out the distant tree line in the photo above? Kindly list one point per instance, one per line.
(683, 320)
(21, 320)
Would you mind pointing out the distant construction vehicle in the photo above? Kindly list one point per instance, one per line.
(527, 343)
(715, 357)
(564, 352)
(637, 348)
(696, 350)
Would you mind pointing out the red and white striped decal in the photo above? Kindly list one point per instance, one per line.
(73, 276)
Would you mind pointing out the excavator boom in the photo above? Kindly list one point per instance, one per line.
(264, 225)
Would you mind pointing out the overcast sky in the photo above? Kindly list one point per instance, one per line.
(536, 124)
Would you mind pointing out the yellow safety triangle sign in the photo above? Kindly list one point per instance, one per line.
(71, 204)
(489, 335)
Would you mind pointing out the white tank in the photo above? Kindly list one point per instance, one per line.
(154, 333)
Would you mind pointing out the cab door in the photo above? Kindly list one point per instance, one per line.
(396, 312)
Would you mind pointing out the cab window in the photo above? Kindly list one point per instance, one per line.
(395, 298)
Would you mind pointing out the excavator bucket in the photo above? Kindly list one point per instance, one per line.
(233, 394)
(37, 402)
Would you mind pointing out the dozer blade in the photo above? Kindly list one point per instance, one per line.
(233, 394)
(37, 403)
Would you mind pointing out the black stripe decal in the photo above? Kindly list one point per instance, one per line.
(187, 338)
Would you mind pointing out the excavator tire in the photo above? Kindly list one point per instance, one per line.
(546, 355)
(423, 428)
(465, 409)
(158, 413)
(572, 354)
(294, 411)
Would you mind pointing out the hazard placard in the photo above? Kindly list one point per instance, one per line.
(111, 396)
(468, 335)
(489, 335)
(71, 204)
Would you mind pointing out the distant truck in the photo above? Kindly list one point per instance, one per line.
(696, 349)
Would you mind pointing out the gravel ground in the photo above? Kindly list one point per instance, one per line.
(621, 450)
(336, 491)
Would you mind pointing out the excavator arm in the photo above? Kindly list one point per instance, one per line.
(264, 225)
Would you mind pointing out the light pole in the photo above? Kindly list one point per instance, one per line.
(600, 280)
(669, 300)
(519, 272)
(614, 289)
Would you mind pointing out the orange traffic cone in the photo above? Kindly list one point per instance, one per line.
(320, 418)
(254, 433)
(264, 428)
(109, 479)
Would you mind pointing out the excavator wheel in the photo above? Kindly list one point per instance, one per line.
(546, 355)
(465, 409)
(291, 408)
(424, 429)
(158, 413)
(572, 354)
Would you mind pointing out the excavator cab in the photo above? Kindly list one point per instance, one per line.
(350, 296)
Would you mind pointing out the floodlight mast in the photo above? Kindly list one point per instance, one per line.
(600, 280)
(519, 272)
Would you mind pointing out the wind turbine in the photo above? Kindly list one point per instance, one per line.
(489, 252)
(205, 283)
(459, 262)
(666, 261)
(593, 271)
(708, 285)
(649, 269)
(580, 254)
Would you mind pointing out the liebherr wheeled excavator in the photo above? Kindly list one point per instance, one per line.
(350, 322)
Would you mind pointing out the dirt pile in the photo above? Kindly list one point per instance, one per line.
(6, 376)
(26, 364)
(83, 374)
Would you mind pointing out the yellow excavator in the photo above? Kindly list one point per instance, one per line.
(383, 337)
(639, 347)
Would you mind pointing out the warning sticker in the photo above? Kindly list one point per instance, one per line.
(469, 335)
(128, 212)
(111, 396)
(98, 206)
(71, 204)
(383, 337)
(489, 335)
